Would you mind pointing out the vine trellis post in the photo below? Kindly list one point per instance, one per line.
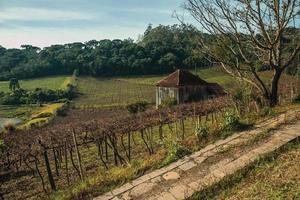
(77, 154)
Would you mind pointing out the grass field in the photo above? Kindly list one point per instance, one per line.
(21, 112)
(24, 111)
(112, 92)
(213, 75)
(279, 179)
(123, 90)
(54, 83)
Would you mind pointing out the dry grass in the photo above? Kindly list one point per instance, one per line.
(279, 179)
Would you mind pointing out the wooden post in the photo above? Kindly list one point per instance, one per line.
(66, 164)
(198, 121)
(106, 148)
(40, 175)
(176, 131)
(160, 131)
(183, 129)
(77, 154)
(50, 176)
(129, 146)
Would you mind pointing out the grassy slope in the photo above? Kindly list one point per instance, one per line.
(112, 92)
(124, 90)
(30, 84)
(279, 179)
(214, 74)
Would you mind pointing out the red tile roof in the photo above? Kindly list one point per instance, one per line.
(181, 78)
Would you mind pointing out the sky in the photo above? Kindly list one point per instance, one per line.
(45, 22)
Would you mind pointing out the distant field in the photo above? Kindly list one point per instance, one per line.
(111, 92)
(214, 75)
(120, 91)
(24, 111)
(54, 82)
(17, 111)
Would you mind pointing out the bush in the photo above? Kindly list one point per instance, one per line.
(201, 133)
(231, 122)
(175, 151)
(38, 95)
(267, 111)
(62, 112)
(168, 102)
(9, 127)
(139, 106)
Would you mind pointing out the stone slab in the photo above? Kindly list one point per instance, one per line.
(187, 166)
(171, 176)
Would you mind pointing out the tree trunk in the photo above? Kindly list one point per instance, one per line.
(273, 98)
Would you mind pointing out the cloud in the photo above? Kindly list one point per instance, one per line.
(41, 14)
(46, 22)
(43, 37)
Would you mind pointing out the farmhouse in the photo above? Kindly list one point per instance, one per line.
(183, 86)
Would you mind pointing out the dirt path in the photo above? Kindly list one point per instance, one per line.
(208, 166)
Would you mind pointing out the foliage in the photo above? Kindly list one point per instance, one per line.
(201, 133)
(267, 111)
(139, 106)
(240, 51)
(160, 50)
(231, 122)
(62, 111)
(175, 151)
(21, 96)
(168, 102)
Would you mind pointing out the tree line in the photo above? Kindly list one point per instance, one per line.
(159, 50)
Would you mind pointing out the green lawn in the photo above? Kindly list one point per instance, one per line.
(54, 82)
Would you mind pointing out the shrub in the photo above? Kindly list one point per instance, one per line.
(202, 133)
(267, 111)
(168, 102)
(139, 106)
(9, 127)
(230, 124)
(62, 111)
(175, 151)
(231, 121)
(38, 95)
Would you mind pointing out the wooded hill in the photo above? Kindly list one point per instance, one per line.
(159, 50)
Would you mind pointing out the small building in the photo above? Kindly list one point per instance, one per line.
(183, 86)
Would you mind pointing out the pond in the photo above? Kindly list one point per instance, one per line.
(13, 121)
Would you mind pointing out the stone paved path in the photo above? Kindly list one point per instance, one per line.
(183, 178)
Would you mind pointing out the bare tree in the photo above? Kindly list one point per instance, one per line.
(248, 33)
